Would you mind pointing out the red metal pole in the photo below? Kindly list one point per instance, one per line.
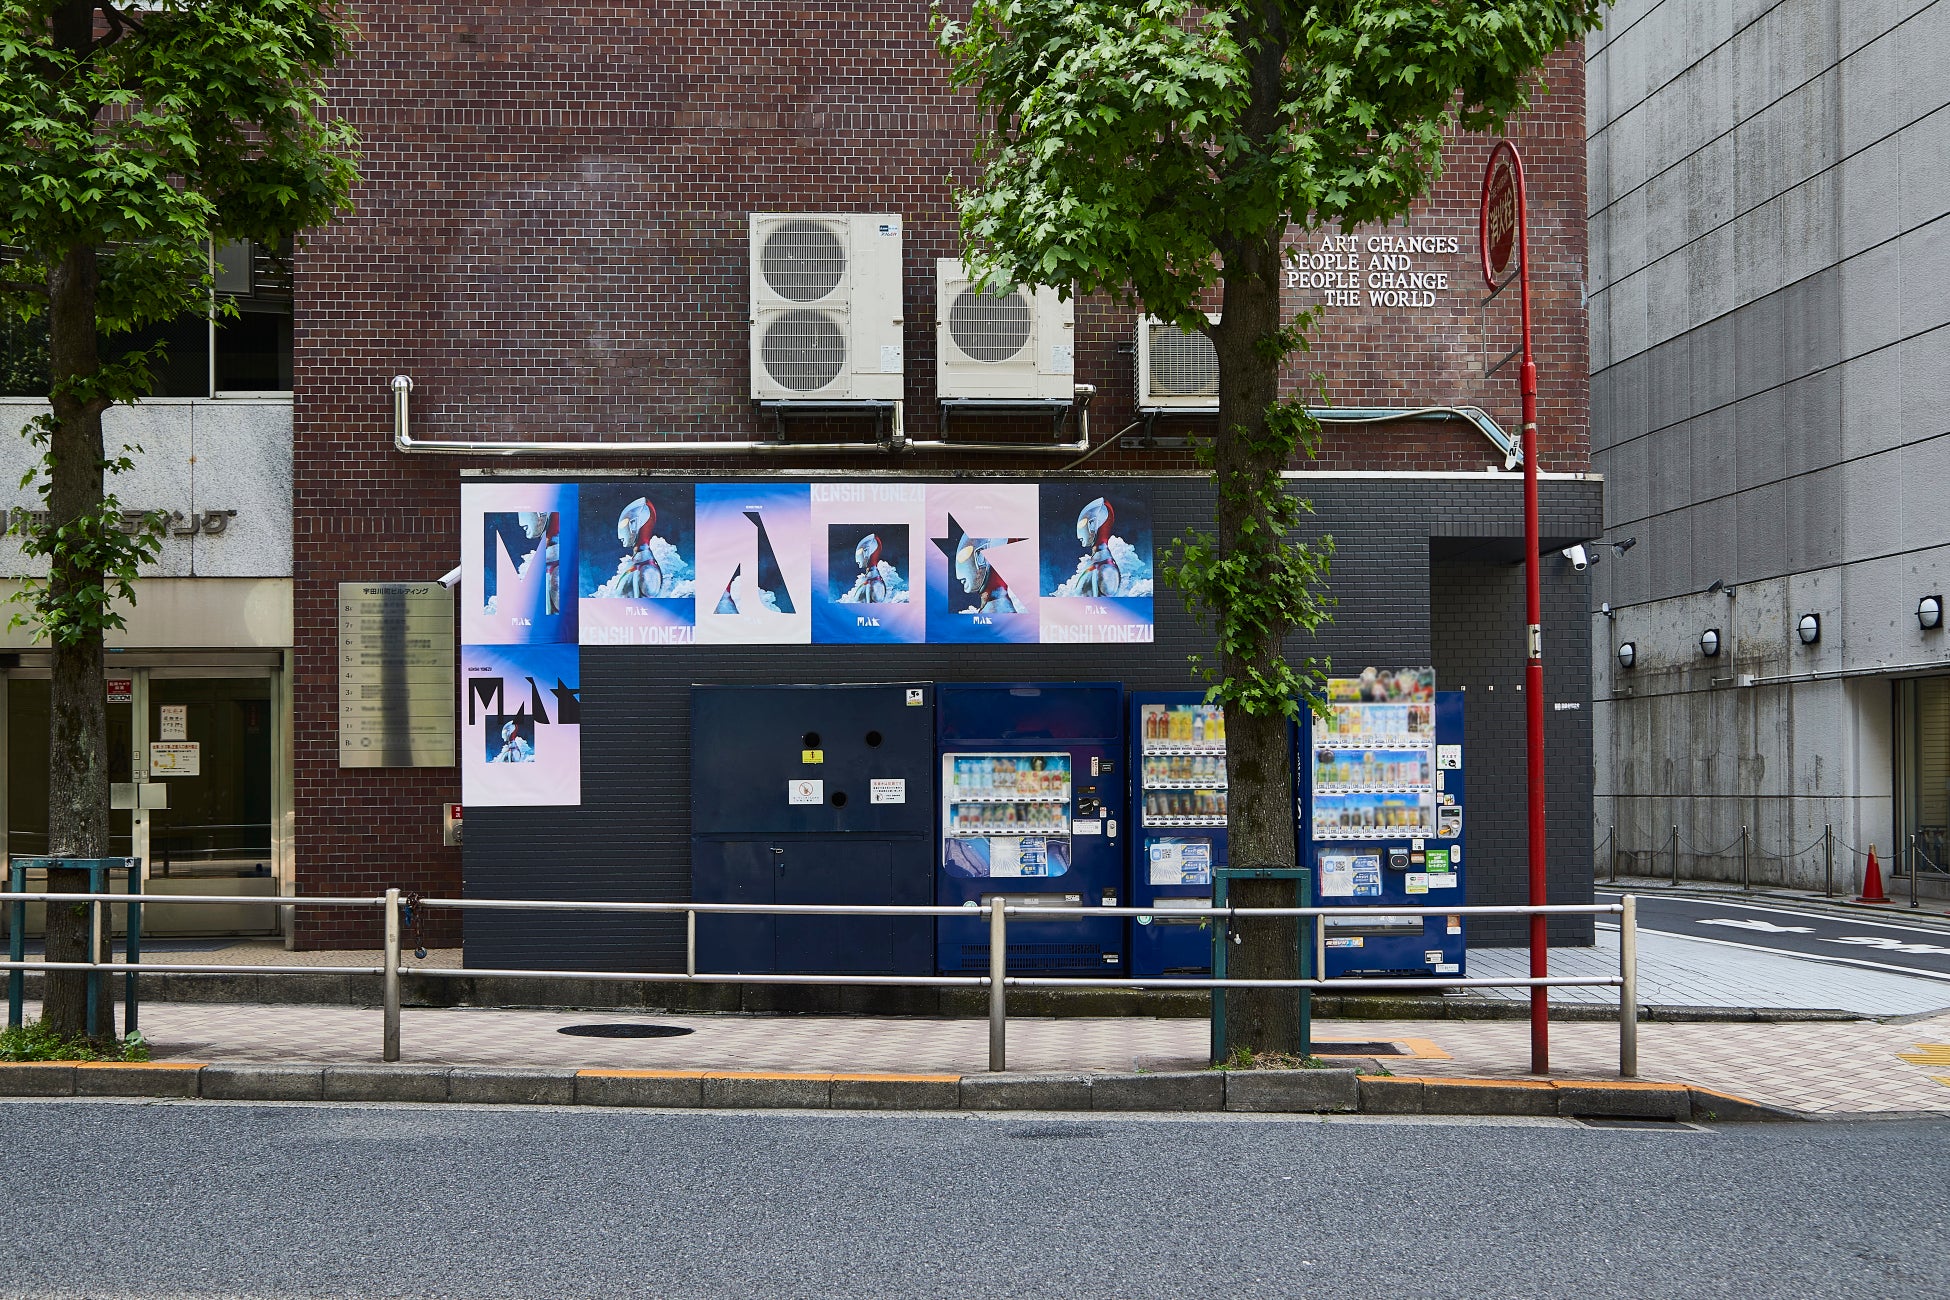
(1533, 683)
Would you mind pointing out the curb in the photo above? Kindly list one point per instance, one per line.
(1330, 1091)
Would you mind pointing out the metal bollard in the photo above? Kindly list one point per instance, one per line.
(1746, 872)
(390, 1046)
(998, 985)
(1628, 989)
(1613, 837)
(1828, 861)
(1675, 855)
(1912, 869)
(690, 943)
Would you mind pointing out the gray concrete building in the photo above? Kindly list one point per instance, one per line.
(1770, 349)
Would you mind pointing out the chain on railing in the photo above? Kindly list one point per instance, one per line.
(1746, 849)
(997, 981)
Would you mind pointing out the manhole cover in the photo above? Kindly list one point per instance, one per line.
(625, 1031)
(1358, 1049)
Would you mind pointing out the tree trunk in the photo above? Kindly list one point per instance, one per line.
(1259, 761)
(77, 769)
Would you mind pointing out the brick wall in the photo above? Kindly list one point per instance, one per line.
(551, 239)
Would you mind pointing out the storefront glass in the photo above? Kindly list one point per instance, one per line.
(1923, 719)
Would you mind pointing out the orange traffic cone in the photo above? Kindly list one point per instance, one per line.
(1872, 881)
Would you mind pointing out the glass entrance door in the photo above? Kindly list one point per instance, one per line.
(1923, 784)
(208, 744)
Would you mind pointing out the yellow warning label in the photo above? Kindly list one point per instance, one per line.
(812, 756)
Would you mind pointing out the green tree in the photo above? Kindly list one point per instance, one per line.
(131, 137)
(1161, 150)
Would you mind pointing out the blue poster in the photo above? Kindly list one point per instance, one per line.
(637, 575)
(865, 538)
(1096, 574)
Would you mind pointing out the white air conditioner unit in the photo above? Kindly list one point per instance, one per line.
(1178, 370)
(826, 307)
(1016, 345)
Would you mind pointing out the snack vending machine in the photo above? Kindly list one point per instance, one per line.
(1178, 775)
(1381, 821)
(1032, 808)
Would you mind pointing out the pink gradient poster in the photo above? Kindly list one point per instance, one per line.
(754, 564)
(982, 563)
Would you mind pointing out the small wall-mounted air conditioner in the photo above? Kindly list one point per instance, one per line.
(1178, 370)
(1015, 345)
(826, 307)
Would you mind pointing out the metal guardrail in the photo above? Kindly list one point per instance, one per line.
(998, 981)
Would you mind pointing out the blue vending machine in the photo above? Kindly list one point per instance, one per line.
(813, 794)
(1381, 821)
(1032, 808)
(1178, 773)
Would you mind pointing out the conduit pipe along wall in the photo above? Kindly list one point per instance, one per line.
(406, 442)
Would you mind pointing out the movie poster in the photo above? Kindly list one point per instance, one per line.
(518, 563)
(982, 563)
(1096, 579)
(866, 538)
(520, 725)
(637, 557)
(754, 564)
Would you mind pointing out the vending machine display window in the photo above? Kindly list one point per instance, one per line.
(1006, 814)
(1373, 771)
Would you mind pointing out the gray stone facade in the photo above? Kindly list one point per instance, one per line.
(1770, 352)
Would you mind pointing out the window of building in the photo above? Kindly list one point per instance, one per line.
(247, 354)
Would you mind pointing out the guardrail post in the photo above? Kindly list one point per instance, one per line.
(1828, 861)
(390, 1050)
(1912, 869)
(998, 985)
(97, 884)
(690, 943)
(1675, 855)
(1612, 837)
(1628, 988)
(16, 944)
(1746, 875)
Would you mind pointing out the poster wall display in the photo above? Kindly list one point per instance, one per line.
(754, 563)
(636, 563)
(518, 563)
(1096, 561)
(982, 558)
(865, 549)
(520, 725)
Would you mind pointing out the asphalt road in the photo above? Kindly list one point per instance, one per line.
(1883, 942)
(197, 1199)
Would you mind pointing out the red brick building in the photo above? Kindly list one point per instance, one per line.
(551, 240)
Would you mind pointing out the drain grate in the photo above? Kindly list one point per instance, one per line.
(1358, 1049)
(625, 1031)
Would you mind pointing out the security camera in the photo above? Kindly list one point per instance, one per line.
(451, 578)
(1579, 557)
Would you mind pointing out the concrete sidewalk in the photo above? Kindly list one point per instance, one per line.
(1823, 1069)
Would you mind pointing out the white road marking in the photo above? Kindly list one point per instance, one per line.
(1784, 911)
(1768, 926)
(1939, 976)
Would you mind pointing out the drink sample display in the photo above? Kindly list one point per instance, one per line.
(1182, 764)
(1008, 794)
(1373, 770)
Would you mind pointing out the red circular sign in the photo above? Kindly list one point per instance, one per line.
(1501, 214)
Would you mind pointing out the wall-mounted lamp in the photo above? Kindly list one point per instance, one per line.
(1929, 612)
(1709, 642)
(1628, 654)
(1809, 629)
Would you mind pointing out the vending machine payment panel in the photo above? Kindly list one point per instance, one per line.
(1032, 791)
(1380, 819)
(1178, 800)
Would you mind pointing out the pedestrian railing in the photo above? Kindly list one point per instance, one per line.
(998, 981)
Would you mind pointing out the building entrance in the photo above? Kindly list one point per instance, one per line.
(197, 759)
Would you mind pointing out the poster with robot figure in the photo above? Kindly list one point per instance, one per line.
(864, 550)
(754, 563)
(520, 725)
(981, 563)
(518, 563)
(636, 576)
(1096, 576)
